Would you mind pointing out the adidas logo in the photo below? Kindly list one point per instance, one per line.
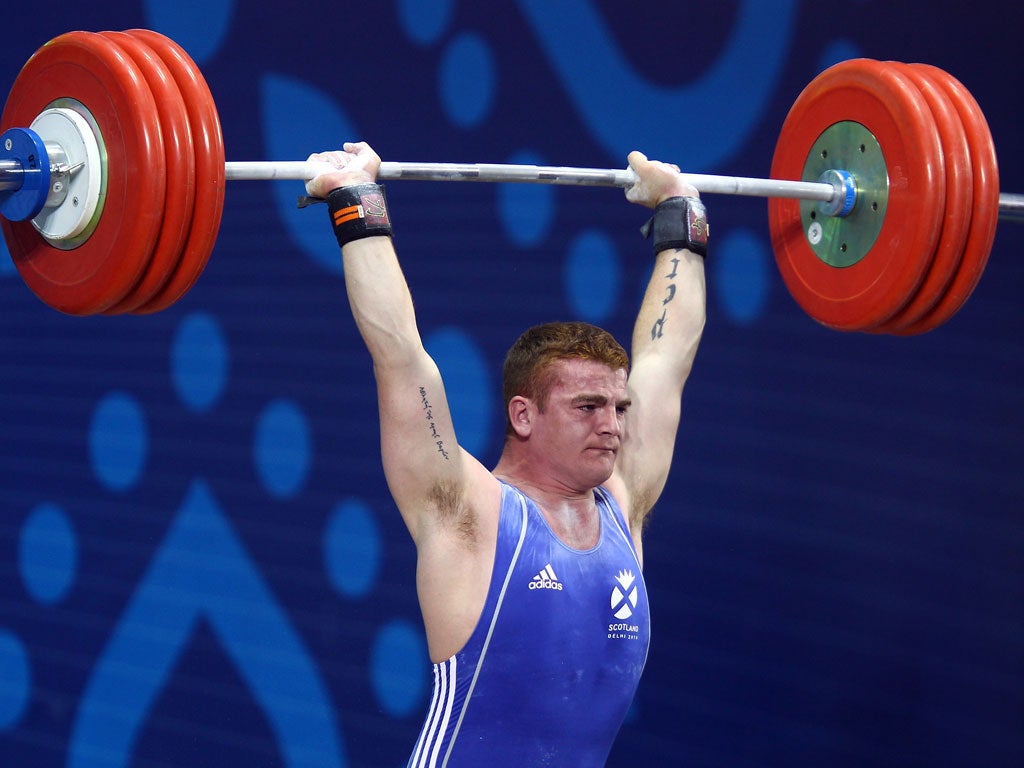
(546, 579)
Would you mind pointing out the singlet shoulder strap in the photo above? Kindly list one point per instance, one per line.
(606, 501)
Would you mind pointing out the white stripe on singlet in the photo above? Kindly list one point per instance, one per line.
(452, 665)
(440, 710)
(490, 629)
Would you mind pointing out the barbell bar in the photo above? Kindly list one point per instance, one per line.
(537, 174)
(12, 174)
(883, 193)
(1011, 206)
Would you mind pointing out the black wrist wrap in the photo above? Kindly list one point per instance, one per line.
(358, 211)
(679, 222)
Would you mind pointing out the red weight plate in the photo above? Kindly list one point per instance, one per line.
(180, 157)
(210, 171)
(959, 198)
(86, 67)
(869, 292)
(984, 212)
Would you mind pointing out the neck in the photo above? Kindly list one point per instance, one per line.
(570, 513)
(516, 468)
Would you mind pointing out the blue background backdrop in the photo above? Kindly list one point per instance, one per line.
(199, 561)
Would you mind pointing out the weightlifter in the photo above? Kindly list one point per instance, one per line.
(529, 575)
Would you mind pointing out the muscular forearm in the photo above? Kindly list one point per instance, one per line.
(377, 291)
(380, 301)
(671, 319)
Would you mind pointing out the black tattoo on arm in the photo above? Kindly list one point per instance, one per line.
(659, 325)
(429, 415)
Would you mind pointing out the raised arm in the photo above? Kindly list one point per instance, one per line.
(427, 472)
(665, 337)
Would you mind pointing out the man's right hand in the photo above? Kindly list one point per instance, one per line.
(656, 181)
(356, 163)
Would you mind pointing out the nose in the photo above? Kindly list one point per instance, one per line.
(611, 421)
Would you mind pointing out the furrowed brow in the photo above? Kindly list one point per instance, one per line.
(589, 399)
(600, 400)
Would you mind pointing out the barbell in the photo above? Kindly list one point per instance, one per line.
(883, 195)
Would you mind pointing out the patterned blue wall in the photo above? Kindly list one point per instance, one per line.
(199, 561)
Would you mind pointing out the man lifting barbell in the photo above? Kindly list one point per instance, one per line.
(884, 200)
(529, 575)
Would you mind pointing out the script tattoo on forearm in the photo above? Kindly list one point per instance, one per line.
(659, 325)
(428, 412)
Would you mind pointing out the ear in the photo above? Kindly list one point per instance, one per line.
(520, 415)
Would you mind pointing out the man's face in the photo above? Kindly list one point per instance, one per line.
(578, 433)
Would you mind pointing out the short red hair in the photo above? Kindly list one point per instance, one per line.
(526, 371)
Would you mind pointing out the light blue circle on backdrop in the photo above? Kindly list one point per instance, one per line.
(592, 275)
(741, 275)
(199, 361)
(526, 211)
(837, 51)
(398, 664)
(467, 80)
(17, 680)
(282, 448)
(48, 554)
(466, 383)
(352, 548)
(424, 21)
(296, 117)
(199, 28)
(118, 441)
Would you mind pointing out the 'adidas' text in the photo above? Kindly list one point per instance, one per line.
(546, 579)
(545, 584)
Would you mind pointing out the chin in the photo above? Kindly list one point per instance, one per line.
(601, 474)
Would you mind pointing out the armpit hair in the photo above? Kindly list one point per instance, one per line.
(640, 508)
(452, 511)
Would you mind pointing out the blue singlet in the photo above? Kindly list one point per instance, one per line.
(551, 668)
